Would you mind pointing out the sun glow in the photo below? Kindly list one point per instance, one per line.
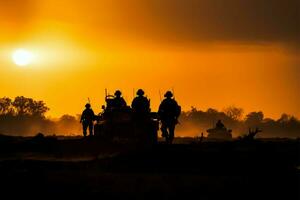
(22, 57)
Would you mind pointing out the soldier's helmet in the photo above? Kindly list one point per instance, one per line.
(87, 105)
(140, 92)
(118, 93)
(169, 94)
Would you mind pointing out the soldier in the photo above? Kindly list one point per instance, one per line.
(141, 104)
(119, 101)
(87, 119)
(169, 111)
(220, 125)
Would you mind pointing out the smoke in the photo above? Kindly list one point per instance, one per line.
(195, 122)
(190, 126)
(25, 116)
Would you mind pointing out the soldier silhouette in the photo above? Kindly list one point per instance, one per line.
(141, 104)
(220, 125)
(87, 119)
(119, 101)
(169, 111)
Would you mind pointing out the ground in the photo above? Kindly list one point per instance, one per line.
(187, 169)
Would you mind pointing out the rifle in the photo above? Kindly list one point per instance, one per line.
(160, 96)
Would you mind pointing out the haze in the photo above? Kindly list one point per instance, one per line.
(214, 53)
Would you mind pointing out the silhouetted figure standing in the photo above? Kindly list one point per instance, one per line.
(141, 104)
(119, 101)
(87, 119)
(220, 125)
(169, 111)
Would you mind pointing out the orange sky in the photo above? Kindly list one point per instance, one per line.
(84, 47)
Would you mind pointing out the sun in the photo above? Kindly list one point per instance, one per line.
(22, 57)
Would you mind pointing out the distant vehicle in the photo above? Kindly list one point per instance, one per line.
(219, 132)
(120, 124)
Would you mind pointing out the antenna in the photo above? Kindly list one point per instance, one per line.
(105, 92)
(160, 96)
(173, 92)
(133, 92)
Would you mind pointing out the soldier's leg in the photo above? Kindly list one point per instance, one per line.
(91, 128)
(167, 134)
(164, 130)
(171, 132)
(84, 128)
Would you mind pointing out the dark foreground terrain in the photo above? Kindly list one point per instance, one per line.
(52, 167)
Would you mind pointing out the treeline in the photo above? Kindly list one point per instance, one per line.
(198, 121)
(26, 116)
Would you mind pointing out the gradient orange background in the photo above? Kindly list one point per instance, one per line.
(84, 47)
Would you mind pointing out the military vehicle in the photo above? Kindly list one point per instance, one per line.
(219, 133)
(122, 125)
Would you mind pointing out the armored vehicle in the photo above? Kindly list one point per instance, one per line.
(220, 132)
(123, 125)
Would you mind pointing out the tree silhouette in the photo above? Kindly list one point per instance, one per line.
(26, 116)
(38, 108)
(234, 112)
(28, 106)
(254, 119)
(5, 106)
(285, 118)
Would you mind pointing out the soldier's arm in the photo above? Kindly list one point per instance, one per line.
(148, 105)
(160, 109)
(178, 109)
(132, 104)
(82, 116)
(91, 114)
(175, 102)
(124, 102)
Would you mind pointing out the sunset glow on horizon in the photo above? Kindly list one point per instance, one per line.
(81, 48)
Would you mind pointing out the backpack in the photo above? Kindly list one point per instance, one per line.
(178, 110)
